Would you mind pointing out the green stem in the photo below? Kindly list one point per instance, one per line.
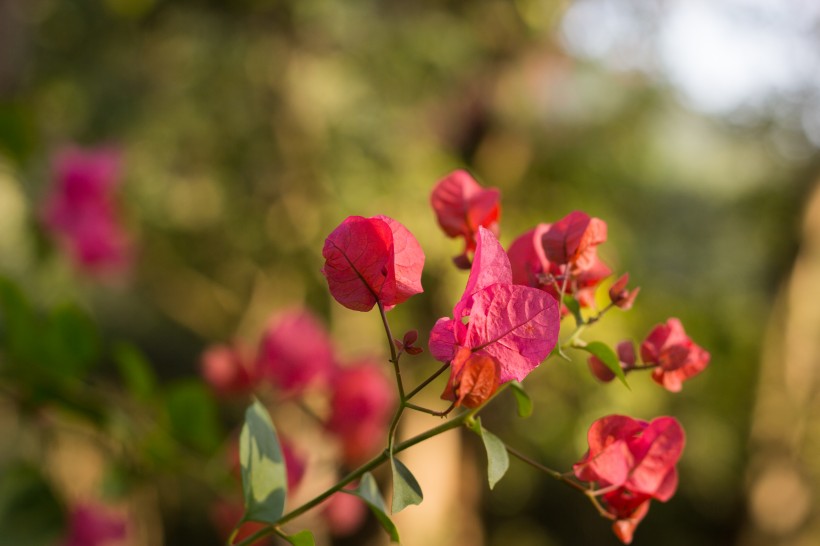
(394, 355)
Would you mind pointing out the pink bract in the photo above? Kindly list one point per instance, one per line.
(372, 260)
(295, 352)
(636, 462)
(677, 357)
(462, 206)
(516, 325)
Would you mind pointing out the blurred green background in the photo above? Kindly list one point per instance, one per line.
(251, 128)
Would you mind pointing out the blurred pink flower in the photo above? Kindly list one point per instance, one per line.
(81, 213)
(228, 370)
(91, 525)
(344, 513)
(361, 406)
(295, 352)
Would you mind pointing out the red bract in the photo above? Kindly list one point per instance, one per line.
(80, 210)
(361, 406)
(620, 296)
(462, 206)
(372, 260)
(572, 240)
(574, 266)
(676, 356)
(632, 462)
(515, 325)
(295, 352)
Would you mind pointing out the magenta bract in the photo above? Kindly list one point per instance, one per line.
(372, 260)
(81, 211)
(516, 325)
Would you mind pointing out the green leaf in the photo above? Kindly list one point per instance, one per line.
(30, 514)
(194, 417)
(302, 538)
(575, 308)
(70, 341)
(368, 491)
(522, 398)
(606, 355)
(18, 323)
(406, 490)
(137, 373)
(264, 480)
(498, 461)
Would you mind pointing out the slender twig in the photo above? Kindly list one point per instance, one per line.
(443, 413)
(427, 381)
(560, 476)
(394, 356)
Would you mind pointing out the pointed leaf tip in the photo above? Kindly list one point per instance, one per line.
(522, 399)
(606, 355)
(406, 490)
(498, 461)
(368, 491)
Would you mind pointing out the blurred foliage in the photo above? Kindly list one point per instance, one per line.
(252, 127)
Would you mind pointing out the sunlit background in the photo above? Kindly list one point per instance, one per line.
(250, 128)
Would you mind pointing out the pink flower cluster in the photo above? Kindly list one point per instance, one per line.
(294, 358)
(81, 212)
(295, 355)
(671, 355)
(631, 462)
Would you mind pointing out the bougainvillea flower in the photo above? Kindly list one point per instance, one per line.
(572, 240)
(372, 260)
(620, 296)
(626, 357)
(462, 206)
(517, 326)
(295, 351)
(91, 525)
(361, 406)
(81, 212)
(631, 462)
(579, 276)
(228, 370)
(676, 356)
